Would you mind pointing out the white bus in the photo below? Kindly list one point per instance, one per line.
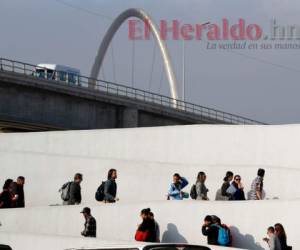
(58, 73)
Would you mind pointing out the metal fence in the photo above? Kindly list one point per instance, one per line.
(110, 88)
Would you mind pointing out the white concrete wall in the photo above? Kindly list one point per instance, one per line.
(180, 221)
(152, 155)
(146, 158)
(197, 144)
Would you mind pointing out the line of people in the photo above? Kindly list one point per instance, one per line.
(277, 239)
(231, 189)
(106, 192)
(148, 230)
(217, 233)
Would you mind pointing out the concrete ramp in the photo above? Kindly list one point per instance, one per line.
(146, 159)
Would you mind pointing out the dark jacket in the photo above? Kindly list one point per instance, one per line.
(75, 194)
(110, 190)
(212, 233)
(6, 199)
(283, 244)
(239, 194)
(90, 227)
(19, 190)
(224, 188)
(149, 225)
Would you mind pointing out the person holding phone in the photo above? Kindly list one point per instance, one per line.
(272, 240)
(175, 190)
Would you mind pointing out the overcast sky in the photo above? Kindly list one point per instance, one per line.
(259, 84)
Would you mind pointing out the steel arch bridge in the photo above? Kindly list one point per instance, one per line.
(142, 15)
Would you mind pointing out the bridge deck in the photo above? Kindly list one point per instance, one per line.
(23, 75)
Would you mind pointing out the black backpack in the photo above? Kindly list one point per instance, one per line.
(99, 195)
(193, 192)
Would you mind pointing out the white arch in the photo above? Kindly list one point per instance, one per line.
(113, 29)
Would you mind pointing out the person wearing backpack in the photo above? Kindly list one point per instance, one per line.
(201, 190)
(210, 231)
(175, 190)
(110, 187)
(224, 234)
(107, 191)
(226, 184)
(71, 191)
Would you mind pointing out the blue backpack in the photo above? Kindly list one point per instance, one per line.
(223, 236)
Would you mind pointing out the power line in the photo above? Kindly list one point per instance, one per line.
(98, 15)
(264, 61)
(76, 7)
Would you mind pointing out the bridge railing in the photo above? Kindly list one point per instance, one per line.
(111, 88)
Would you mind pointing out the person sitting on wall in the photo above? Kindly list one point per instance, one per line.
(90, 225)
(175, 190)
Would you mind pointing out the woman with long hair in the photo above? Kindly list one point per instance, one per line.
(146, 230)
(226, 184)
(201, 189)
(110, 187)
(280, 233)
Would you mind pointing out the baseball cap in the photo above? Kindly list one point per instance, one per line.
(86, 210)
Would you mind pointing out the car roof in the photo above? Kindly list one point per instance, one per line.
(139, 245)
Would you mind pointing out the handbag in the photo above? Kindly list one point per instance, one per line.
(141, 235)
